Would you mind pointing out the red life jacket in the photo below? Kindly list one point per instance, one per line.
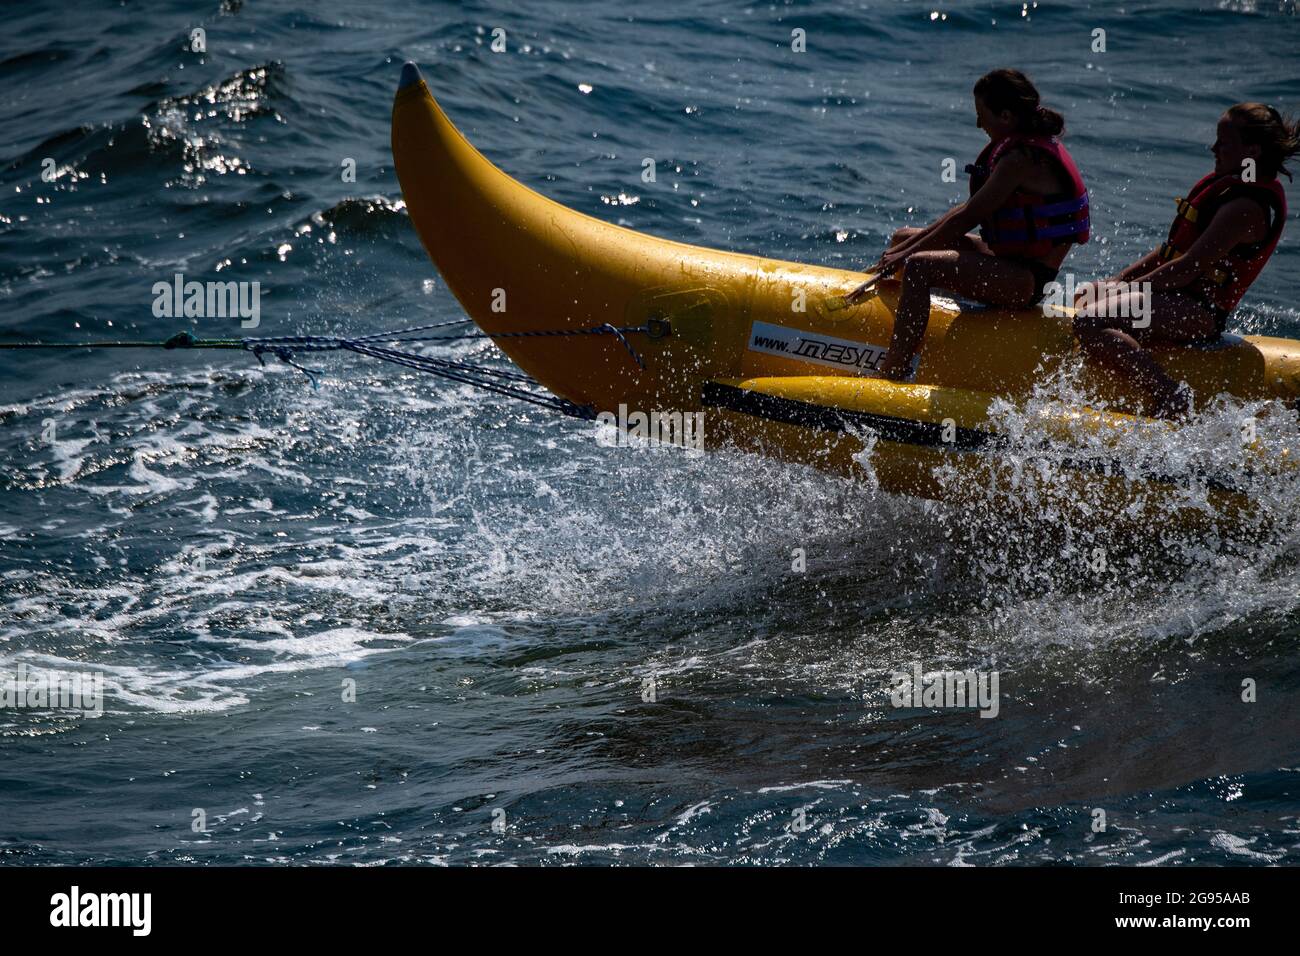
(1229, 278)
(1029, 224)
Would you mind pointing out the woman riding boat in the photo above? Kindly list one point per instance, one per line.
(1222, 236)
(1026, 196)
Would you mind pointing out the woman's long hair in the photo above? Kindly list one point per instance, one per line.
(1277, 136)
(1011, 90)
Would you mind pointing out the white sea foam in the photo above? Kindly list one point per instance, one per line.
(479, 528)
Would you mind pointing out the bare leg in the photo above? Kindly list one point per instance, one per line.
(988, 279)
(968, 243)
(1122, 354)
(1093, 296)
(1113, 343)
(902, 235)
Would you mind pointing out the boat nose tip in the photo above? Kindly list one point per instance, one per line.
(410, 75)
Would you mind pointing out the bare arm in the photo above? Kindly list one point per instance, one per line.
(960, 219)
(1141, 267)
(1237, 222)
(908, 245)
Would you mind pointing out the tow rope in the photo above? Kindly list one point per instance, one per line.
(377, 345)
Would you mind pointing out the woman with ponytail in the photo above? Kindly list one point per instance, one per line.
(1026, 197)
(1225, 231)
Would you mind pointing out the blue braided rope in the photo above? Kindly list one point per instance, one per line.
(502, 382)
(499, 381)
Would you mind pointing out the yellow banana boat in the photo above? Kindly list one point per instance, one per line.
(769, 351)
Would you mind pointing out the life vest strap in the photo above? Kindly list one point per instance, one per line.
(1066, 207)
(1045, 232)
(1049, 211)
(1187, 211)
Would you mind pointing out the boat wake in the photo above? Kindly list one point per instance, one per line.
(232, 529)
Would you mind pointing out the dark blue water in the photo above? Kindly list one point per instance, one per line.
(233, 550)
